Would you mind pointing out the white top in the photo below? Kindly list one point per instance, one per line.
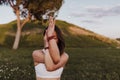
(41, 72)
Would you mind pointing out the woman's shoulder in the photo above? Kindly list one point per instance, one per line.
(37, 51)
(65, 55)
(64, 58)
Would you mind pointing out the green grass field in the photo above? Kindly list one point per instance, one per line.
(83, 64)
(92, 56)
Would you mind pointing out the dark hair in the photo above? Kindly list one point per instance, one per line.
(61, 42)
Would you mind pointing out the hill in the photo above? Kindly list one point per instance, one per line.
(75, 36)
(118, 39)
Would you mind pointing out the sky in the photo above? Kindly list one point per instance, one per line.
(99, 16)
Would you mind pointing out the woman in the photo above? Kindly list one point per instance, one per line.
(50, 61)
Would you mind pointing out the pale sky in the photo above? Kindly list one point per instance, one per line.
(99, 16)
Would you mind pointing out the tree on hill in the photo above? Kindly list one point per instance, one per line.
(27, 9)
(118, 39)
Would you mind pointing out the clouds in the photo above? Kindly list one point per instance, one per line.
(91, 21)
(98, 12)
(102, 17)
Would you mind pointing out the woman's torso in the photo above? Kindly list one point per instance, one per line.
(42, 71)
(48, 78)
(43, 74)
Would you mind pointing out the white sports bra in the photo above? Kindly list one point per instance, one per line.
(41, 72)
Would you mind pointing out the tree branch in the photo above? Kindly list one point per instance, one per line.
(11, 4)
(26, 20)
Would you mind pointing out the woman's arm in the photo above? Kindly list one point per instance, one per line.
(38, 57)
(53, 48)
(50, 66)
(54, 51)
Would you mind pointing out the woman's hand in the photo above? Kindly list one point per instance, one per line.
(51, 27)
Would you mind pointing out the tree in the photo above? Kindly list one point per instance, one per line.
(118, 39)
(28, 9)
(19, 10)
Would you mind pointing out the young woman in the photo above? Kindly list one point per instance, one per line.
(50, 61)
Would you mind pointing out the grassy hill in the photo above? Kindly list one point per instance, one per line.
(74, 36)
(85, 63)
(118, 39)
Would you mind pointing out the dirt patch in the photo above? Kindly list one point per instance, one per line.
(78, 31)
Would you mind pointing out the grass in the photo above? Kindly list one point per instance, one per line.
(93, 64)
(92, 57)
(16, 65)
(32, 34)
(83, 64)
